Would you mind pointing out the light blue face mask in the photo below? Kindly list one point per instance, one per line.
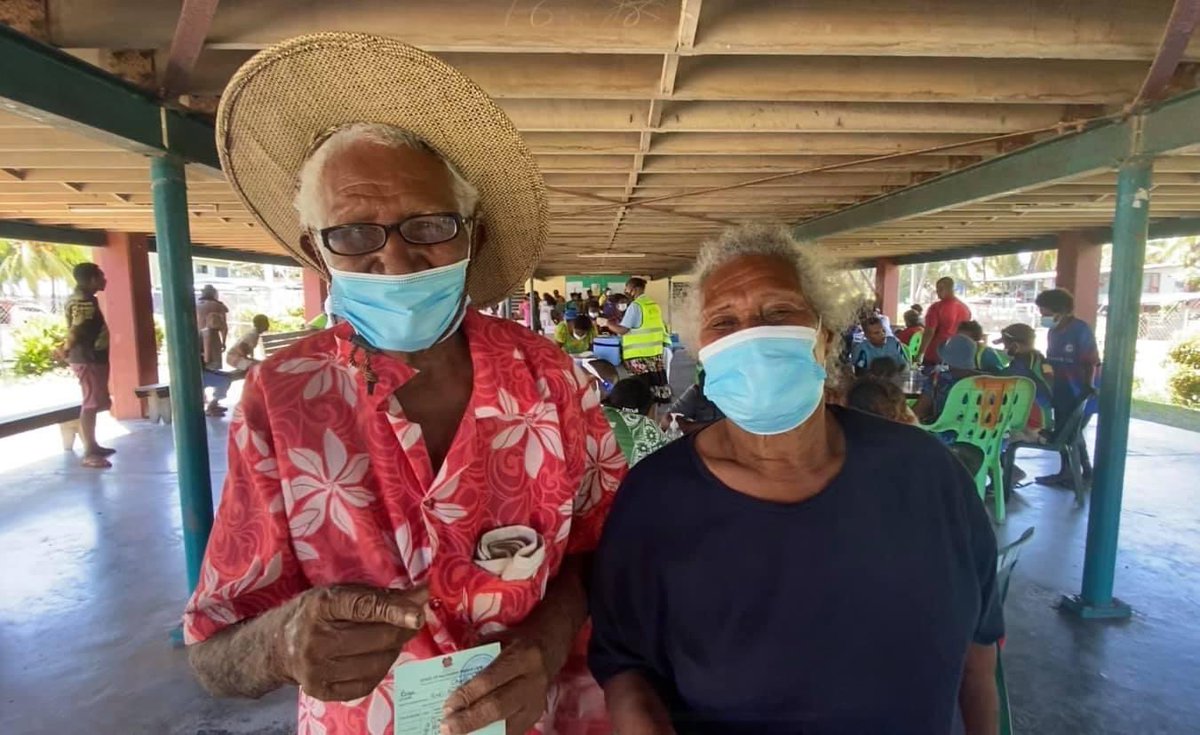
(765, 379)
(1049, 322)
(409, 312)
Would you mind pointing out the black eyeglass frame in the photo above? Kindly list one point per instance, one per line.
(460, 223)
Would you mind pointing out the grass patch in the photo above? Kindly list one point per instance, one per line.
(1162, 413)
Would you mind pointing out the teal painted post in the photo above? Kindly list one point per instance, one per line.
(1130, 226)
(183, 357)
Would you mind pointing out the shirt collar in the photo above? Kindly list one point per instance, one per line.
(390, 373)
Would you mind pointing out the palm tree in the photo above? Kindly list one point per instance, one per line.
(23, 261)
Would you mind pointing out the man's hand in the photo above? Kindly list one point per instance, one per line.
(513, 689)
(339, 642)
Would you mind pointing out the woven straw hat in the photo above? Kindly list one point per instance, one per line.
(288, 98)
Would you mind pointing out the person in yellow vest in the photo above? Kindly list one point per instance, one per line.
(644, 338)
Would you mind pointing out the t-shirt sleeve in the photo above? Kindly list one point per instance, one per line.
(990, 626)
(633, 317)
(624, 597)
(250, 565)
(1085, 345)
(560, 332)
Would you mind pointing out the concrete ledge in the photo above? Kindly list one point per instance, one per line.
(1162, 413)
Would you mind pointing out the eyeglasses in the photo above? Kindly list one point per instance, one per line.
(422, 229)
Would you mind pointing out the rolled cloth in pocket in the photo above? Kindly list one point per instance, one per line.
(512, 553)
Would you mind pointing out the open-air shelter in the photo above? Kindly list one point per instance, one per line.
(890, 132)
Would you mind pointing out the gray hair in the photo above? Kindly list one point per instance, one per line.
(824, 289)
(309, 202)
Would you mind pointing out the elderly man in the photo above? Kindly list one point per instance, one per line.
(418, 479)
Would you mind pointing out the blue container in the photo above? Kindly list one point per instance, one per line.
(608, 349)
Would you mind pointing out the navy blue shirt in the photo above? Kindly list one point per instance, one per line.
(850, 612)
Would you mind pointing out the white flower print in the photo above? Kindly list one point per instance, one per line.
(538, 427)
(485, 608)
(604, 462)
(566, 510)
(379, 712)
(416, 560)
(214, 600)
(329, 486)
(308, 720)
(328, 375)
(444, 511)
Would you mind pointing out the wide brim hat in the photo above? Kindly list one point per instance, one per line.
(290, 97)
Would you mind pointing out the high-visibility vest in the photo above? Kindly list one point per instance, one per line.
(649, 339)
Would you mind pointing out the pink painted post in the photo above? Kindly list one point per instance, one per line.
(1079, 273)
(887, 288)
(315, 291)
(128, 308)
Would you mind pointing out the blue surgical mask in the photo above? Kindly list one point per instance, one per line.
(1049, 322)
(409, 312)
(765, 379)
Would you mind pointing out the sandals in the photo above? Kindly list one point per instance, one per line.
(96, 462)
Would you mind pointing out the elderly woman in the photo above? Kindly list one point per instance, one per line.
(419, 478)
(775, 573)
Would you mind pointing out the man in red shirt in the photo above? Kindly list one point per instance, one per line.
(942, 320)
(419, 478)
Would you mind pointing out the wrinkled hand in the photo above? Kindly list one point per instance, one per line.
(513, 688)
(339, 642)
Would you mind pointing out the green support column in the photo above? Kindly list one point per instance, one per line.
(1130, 226)
(183, 356)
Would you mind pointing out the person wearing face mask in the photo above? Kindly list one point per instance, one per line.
(644, 339)
(1025, 361)
(1072, 353)
(768, 585)
(381, 472)
(575, 333)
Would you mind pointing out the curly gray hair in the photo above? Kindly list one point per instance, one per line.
(824, 289)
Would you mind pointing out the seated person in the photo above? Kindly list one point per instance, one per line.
(241, 355)
(575, 333)
(912, 325)
(1026, 362)
(693, 409)
(987, 360)
(627, 409)
(615, 307)
(920, 312)
(881, 397)
(876, 345)
(958, 361)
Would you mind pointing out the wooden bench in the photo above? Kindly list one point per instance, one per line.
(66, 416)
(158, 401)
(272, 342)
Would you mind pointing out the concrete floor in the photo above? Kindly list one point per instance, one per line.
(91, 582)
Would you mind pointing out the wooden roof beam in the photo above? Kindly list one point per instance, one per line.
(195, 18)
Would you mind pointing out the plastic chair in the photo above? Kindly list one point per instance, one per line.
(913, 348)
(980, 411)
(1067, 440)
(1006, 559)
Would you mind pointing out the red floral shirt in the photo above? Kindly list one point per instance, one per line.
(328, 483)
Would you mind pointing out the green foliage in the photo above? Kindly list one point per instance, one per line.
(31, 263)
(37, 341)
(1184, 381)
(291, 320)
(160, 334)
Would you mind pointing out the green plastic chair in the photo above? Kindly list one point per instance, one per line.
(980, 411)
(1067, 441)
(913, 348)
(1006, 559)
